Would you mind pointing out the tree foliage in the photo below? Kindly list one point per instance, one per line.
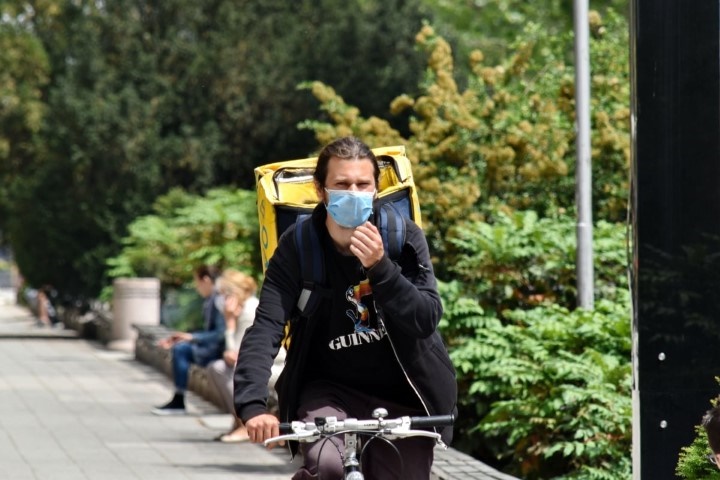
(507, 138)
(491, 25)
(119, 102)
(24, 70)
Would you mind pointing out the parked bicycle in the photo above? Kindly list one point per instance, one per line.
(379, 428)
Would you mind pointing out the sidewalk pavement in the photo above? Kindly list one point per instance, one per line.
(71, 409)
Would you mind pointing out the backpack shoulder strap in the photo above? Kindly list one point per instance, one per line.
(312, 264)
(391, 224)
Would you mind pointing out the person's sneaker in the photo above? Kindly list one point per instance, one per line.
(176, 406)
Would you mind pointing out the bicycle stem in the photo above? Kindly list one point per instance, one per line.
(351, 465)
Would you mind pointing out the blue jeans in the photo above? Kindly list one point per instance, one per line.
(182, 358)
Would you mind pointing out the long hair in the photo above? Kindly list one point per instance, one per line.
(236, 283)
(345, 148)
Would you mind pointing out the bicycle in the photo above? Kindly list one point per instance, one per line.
(380, 427)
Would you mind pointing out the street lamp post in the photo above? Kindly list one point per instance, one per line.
(583, 175)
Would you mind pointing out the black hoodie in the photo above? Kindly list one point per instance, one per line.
(405, 295)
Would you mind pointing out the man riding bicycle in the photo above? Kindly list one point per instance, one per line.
(371, 342)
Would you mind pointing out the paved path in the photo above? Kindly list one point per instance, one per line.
(70, 409)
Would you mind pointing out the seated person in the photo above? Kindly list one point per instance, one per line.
(200, 347)
(238, 290)
(40, 303)
(46, 311)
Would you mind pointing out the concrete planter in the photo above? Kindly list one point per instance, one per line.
(135, 301)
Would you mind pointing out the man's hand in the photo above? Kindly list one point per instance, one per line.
(263, 427)
(366, 244)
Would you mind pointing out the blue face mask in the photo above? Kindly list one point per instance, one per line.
(350, 208)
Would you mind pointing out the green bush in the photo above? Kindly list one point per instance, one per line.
(519, 260)
(220, 228)
(693, 463)
(545, 388)
(546, 391)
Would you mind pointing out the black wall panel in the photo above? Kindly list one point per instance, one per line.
(675, 64)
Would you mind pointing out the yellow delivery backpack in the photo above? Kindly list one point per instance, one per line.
(285, 192)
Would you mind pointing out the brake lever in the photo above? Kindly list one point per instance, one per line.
(401, 432)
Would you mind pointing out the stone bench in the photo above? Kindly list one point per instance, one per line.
(92, 324)
(147, 352)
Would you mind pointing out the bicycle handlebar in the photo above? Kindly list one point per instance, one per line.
(390, 428)
(432, 421)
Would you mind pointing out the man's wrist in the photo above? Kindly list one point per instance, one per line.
(377, 268)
